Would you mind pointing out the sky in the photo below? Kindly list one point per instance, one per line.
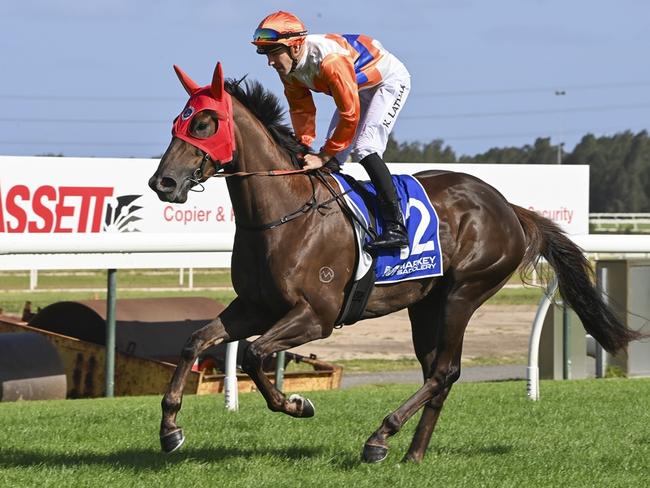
(95, 77)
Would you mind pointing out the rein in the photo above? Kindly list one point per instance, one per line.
(346, 209)
(311, 204)
(197, 176)
(271, 172)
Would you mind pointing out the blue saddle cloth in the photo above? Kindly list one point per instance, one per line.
(422, 259)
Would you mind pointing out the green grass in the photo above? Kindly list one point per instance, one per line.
(582, 433)
(150, 278)
(378, 365)
(409, 363)
(530, 295)
(494, 360)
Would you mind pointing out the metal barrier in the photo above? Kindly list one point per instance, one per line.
(532, 372)
(604, 222)
(589, 244)
(121, 244)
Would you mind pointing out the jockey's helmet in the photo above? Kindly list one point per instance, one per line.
(279, 29)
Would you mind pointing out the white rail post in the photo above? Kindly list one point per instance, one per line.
(33, 279)
(230, 390)
(601, 357)
(532, 372)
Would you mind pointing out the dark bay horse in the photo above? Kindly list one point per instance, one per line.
(285, 236)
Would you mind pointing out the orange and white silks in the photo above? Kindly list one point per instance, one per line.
(339, 66)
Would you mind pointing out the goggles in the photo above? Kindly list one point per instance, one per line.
(271, 35)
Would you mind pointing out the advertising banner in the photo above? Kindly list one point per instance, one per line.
(49, 195)
(88, 195)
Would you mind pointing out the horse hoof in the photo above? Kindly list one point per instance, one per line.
(374, 454)
(172, 441)
(307, 408)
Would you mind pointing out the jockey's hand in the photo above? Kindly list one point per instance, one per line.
(315, 161)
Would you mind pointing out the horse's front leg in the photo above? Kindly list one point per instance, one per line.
(234, 323)
(299, 326)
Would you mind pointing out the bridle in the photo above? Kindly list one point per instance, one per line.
(198, 176)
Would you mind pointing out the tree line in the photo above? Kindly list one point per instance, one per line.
(619, 178)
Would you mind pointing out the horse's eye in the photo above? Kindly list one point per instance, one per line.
(201, 126)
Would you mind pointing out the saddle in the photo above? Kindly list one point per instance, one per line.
(422, 259)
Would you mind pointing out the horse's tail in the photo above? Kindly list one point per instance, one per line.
(574, 274)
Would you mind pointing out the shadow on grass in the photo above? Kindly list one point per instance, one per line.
(350, 462)
(471, 451)
(151, 460)
(146, 459)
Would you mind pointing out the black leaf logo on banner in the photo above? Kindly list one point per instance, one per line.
(121, 214)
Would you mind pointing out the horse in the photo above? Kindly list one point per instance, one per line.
(289, 228)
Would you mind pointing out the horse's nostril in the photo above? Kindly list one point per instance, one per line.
(167, 183)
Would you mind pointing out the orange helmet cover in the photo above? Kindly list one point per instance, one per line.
(279, 28)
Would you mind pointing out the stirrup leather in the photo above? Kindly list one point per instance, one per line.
(394, 234)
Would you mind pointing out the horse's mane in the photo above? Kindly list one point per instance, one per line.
(267, 108)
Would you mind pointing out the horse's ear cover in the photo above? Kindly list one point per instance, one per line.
(188, 83)
(221, 145)
(217, 82)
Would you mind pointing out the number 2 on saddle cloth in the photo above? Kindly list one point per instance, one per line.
(422, 259)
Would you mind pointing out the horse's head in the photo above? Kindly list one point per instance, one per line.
(203, 139)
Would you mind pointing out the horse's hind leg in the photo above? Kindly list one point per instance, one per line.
(442, 374)
(426, 319)
(463, 299)
(234, 323)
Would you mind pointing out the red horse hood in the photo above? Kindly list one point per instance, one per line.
(221, 145)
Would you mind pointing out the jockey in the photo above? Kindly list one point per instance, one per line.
(369, 86)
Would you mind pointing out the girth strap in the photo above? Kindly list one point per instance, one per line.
(356, 297)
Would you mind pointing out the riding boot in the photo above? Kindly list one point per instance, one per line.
(394, 232)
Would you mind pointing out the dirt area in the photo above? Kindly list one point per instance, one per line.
(499, 331)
